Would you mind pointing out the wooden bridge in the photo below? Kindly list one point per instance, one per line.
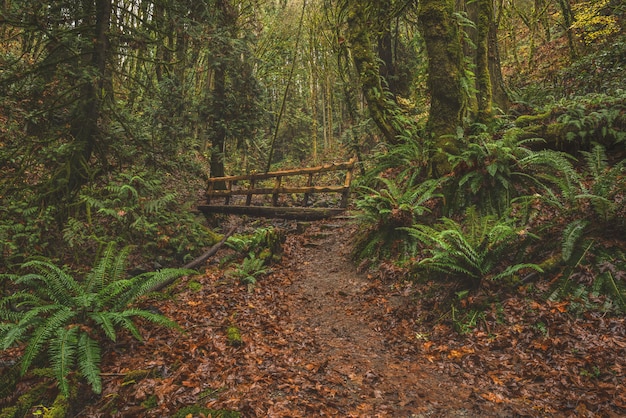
(278, 190)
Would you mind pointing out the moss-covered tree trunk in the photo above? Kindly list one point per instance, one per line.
(445, 73)
(85, 125)
(362, 20)
(499, 92)
(483, 77)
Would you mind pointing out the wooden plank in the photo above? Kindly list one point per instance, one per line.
(297, 213)
(294, 172)
(280, 190)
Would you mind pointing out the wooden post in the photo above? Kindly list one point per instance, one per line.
(346, 194)
(208, 192)
(309, 183)
(276, 187)
(249, 197)
(229, 186)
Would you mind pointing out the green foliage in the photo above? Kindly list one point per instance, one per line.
(604, 185)
(138, 209)
(407, 161)
(465, 321)
(598, 72)
(594, 279)
(69, 317)
(196, 410)
(24, 230)
(491, 172)
(258, 243)
(384, 211)
(250, 270)
(482, 247)
(594, 118)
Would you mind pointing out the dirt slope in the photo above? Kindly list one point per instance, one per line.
(354, 363)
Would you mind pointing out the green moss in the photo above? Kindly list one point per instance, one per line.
(526, 120)
(151, 402)
(197, 411)
(234, 336)
(134, 376)
(25, 402)
(194, 286)
(59, 409)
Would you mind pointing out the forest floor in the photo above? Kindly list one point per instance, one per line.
(320, 338)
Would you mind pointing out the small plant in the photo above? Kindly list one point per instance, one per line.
(490, 172)
(249, 270)
(593, 278)
(70, 317)
(384, 211)
(476, 250)
(607, 185)
(263, 242)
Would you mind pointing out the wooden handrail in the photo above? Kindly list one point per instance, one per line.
(249, 186)
(348, 165)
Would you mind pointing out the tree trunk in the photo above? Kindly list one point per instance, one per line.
(568, 21)
(85, 128)
(366, 63)
(445, 73)
(483, 76)
(226, 21)
(498, 89)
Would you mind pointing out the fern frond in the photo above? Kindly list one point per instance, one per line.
(596, 161)
(103, 319)
(152, 317)
(144, 283)
(9, 334)
(572, 232)
(511, 270)
(112, 294)
(43, 333)
(58, 285)
(62, 354)
(89, 361)
(97, 276)
(124, 319)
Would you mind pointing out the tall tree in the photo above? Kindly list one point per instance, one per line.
(483, 75)
(65, 85)
(364, 19)
(445, 72)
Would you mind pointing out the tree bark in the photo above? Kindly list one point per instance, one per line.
(483, 76)
(366, 63)
(219, 100)
(85, 128)
(445, 73)
(498, 89)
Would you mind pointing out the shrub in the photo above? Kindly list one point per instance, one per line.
(69, 317)
(480, 248)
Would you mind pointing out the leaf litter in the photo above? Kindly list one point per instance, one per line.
(319, 338)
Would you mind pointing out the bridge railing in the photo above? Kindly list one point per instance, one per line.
(302, 181)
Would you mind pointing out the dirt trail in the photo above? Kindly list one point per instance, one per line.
(355, 364)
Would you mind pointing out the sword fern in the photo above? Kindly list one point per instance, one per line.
(64, 319)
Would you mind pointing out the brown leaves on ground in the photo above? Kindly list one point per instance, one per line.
(320, 339)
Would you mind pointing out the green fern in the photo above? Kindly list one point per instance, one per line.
(606, 182)
(383, 212)
(491, 173)
(249, 270)
(476, 250)
(57, 312)
(571, 236)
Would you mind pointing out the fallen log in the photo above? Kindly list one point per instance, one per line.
(297, 213)
(197, 261)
